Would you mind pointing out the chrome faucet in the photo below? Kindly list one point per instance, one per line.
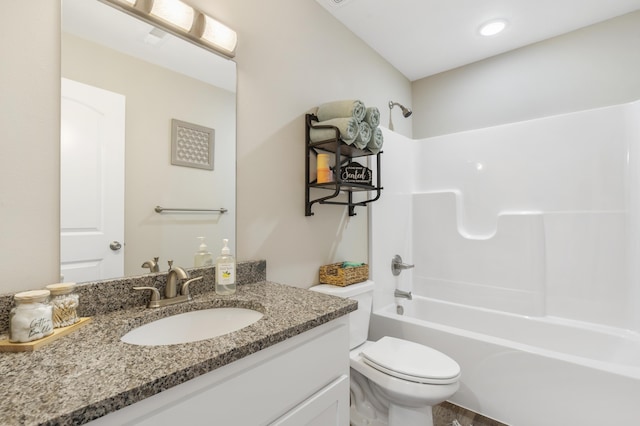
(171, 296)
(152, 265)
(397, 266)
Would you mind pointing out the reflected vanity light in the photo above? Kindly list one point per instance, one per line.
(183, 21)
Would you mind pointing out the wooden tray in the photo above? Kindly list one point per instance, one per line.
(7, 346)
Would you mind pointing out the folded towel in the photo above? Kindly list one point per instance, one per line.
(375, 143)
(348, 264)
(364, 135)
(341, 109)
(348, 128)
(372, 116)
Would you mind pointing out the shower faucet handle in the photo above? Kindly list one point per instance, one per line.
(397, 266)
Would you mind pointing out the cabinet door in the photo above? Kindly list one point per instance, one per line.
(328, 407)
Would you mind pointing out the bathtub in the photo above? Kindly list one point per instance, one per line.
(527, 371)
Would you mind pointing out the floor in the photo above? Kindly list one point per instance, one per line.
(447, 414)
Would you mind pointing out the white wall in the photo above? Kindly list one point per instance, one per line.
(29, 163)
(152, 95)
(588, 68)
(292, 56)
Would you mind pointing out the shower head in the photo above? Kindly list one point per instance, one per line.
(406, 112)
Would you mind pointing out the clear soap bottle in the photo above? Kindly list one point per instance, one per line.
(225, 271)
(202, 257)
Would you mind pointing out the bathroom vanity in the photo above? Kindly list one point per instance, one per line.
(301, 381)
(289, 368)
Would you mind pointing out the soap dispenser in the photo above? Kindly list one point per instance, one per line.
(203, 257)
(225, 271)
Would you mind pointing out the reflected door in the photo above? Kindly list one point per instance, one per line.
(91, 183)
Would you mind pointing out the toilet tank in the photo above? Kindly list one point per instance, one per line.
(358, 319)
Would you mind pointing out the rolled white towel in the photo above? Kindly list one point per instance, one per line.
(364, 135)
(376, 141)
(348, 128)
(372, 116)
(341, 109)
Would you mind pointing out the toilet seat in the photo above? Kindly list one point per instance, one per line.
(411, 361)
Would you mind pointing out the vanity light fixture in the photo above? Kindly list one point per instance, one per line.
(219, 34)
(183, 21)
(492, 27)
(174, 12)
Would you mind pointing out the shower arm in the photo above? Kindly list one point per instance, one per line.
(406, 112)
(390, 115)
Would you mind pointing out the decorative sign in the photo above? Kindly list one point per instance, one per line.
(356, 173)
(191, 145)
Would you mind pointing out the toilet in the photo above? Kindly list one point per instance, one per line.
(394, 382)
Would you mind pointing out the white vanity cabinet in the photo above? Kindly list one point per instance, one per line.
(303, 380)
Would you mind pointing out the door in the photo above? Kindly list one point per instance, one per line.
(91, 183)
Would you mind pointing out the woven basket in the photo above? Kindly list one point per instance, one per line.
(335, 274)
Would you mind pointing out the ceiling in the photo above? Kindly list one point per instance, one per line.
(424, 37)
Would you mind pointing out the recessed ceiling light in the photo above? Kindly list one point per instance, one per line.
(493, 27)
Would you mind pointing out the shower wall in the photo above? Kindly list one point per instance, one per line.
(536, 218)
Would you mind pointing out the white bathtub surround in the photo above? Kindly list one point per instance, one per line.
(504, 270)
(536, 222)
(527, 371)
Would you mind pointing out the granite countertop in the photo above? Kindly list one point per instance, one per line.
(90, 372)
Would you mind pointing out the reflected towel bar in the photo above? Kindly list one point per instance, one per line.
(159, 209)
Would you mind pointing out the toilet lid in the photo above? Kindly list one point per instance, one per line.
(411, 361)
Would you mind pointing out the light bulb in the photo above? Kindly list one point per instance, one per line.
(174, 12)
(219, 34)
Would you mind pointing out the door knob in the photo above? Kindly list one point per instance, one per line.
(115, 245)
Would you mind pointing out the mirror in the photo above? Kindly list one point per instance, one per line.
(157, 78)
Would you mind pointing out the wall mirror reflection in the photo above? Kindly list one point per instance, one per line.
(124, 81)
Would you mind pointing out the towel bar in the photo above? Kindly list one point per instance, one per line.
(159, 209)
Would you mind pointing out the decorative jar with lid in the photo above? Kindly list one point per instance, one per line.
(65, 303)
(31, 317)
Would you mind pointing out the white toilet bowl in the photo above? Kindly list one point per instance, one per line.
(405, 380)
(394, 382)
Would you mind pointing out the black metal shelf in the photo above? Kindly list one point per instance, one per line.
(343, 154)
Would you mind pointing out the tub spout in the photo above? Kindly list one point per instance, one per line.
(403, 294)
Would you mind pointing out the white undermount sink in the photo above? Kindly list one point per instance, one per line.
(192, 326)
